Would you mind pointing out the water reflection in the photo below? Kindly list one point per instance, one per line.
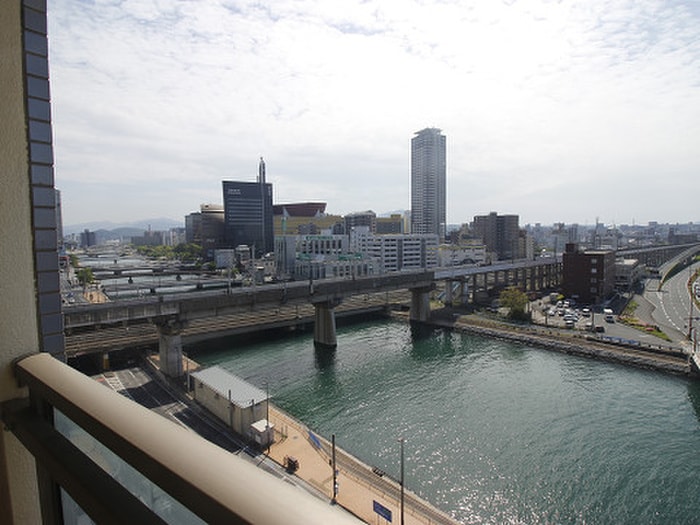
(422, 331)
(694, 397)
(324, 358)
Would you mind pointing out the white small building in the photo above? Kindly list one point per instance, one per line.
(628, 272)
(455, 255)
(240, 405)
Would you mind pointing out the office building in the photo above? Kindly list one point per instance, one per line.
(248, 214)
(500, 234)
(428, 183)
(392, 224)
(396, 252)
(319, 257)
(361, 219)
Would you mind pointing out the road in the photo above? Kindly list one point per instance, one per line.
(136, 384)
(671, 306)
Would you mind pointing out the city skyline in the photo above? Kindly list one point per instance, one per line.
(567, 112)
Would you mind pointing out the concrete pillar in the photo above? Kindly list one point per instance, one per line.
(170, 346)
(448, 292)
(464, 293)
(324, 325)
(420, 304)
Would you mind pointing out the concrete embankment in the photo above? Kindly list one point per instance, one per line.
(673, 362)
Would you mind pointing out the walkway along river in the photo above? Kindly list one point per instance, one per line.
(496, 431)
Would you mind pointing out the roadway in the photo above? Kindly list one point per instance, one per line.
(671, 304)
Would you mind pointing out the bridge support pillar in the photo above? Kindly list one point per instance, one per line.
(324, 325)
(420, 304)
(170, 346)
(464, 293)
(448, 292)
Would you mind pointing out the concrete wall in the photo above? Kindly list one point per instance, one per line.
(19, 325)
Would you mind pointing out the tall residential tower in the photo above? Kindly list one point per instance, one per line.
(428, 182)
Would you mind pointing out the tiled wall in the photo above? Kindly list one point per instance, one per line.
(38, 106)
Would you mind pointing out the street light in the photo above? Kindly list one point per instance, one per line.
(401, 440)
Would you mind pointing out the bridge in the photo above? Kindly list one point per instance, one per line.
(472, 284)
(170, 314)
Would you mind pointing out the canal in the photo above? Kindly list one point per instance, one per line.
(495, 432)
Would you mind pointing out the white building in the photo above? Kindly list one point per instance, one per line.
(397, 252)
(455, 255)
(319, 257)
(242, 406)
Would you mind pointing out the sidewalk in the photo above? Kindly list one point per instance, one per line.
(358, 486)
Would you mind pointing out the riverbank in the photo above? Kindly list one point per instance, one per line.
(569, 342)
(360, 487)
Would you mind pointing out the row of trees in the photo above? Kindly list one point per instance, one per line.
(187, 253)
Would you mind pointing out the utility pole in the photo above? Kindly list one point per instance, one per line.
(401, 440)
(335, 472)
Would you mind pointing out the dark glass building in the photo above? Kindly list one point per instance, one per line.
(248, 215)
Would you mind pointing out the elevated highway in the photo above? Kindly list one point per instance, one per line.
(171, 314)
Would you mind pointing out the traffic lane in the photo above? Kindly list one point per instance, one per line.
(673, 304)
(136, 384)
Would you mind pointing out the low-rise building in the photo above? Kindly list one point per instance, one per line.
(240, 405)
(628, 272)
(455, 255)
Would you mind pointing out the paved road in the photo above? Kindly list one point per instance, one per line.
(138, 385)
(671, 306)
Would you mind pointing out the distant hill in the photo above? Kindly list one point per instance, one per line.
(126, 229)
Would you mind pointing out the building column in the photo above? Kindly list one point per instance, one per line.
(324, 324)
(170, 346)
(420, 304)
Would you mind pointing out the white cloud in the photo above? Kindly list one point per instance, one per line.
(540, 101)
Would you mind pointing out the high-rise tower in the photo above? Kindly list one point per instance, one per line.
(248, 213)
(428, 182)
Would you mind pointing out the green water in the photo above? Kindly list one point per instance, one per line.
(495, 432)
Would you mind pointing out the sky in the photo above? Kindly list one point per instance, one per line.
(570, 111)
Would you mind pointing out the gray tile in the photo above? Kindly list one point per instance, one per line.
(45, 240)
(44, 197)
(42, 175)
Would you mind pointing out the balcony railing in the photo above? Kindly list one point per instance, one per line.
(83, 435)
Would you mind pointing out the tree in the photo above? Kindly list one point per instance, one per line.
(516, 301)
(85, 276)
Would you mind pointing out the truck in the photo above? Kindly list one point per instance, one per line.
(608, 315)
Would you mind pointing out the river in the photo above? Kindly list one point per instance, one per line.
(495, 432)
